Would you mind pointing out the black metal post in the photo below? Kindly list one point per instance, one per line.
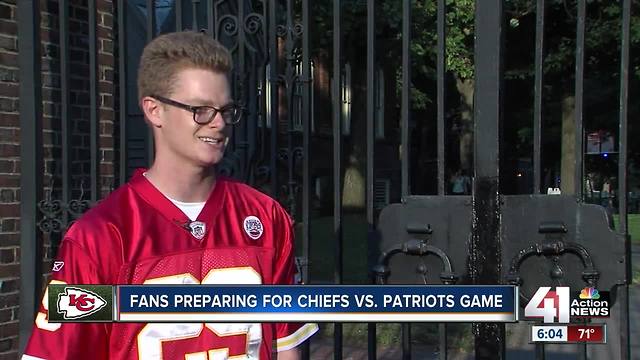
(290, 88)
(151, 33)
(178, 12)
(371, 120)
(537, 102)
(65, 118)
(441, 71)
(194, 12)
(273, 101)
(122, 88)
(337, 164)
(93, 101)
(31, 165)
(306, 155)
(405, 114)
(579, 133)
(537, 117)
(485, 250)
(625, 343)
(211, 18)
(405, 111)
(579, 94)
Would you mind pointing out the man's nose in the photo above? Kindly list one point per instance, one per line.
(218, 121)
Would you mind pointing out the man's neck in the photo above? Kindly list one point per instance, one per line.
(187, 184)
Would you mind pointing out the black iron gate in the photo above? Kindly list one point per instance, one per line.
(332, 131)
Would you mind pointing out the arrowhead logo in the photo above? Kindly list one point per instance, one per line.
(76, 303)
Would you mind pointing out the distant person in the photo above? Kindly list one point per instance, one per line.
(460, 183)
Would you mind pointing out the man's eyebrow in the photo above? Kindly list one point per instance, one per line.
(203, 102)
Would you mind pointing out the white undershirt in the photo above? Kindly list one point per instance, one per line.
(191, 209)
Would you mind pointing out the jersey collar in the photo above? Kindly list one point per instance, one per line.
(143, 187)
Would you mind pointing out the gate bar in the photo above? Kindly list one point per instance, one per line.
(151, 33)
(122, 88)
(240, 75)
(289, 93)
(306, 155)
(537, 102)
(537, 118)
(441, 72)
(371, 120)
(404, 135)
(337, 164)
(211, 19)
(579, 94)
(194, 12)
(625, 344)
(178, 13)
(273, 80)
(485, 248)
(65, 119)
(406, 89)
(93, 96)
(579, 133)
(28, 14)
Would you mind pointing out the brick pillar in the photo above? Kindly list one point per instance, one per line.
(9, 181)
(79, 113)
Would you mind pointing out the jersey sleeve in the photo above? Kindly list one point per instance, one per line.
(288, 335)
(68, 340)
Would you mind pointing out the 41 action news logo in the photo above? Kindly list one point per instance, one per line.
(560, 305)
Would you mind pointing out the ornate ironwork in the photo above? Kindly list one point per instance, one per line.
(57, 216)
(553, 250)
(229, 24)
(415, 247)
(51, 220)
(253, 22)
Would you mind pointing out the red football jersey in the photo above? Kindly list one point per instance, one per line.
(138, 236)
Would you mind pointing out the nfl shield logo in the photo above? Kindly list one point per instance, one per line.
(197, 229)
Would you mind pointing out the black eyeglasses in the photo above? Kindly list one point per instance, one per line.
(203, 115)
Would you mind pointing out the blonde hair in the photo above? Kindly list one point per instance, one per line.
(170, 53)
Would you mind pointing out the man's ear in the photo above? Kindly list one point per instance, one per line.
(152, 110)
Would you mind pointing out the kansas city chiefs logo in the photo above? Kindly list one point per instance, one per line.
(253, 227)
(77, 303)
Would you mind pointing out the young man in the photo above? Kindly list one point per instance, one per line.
(177, 223)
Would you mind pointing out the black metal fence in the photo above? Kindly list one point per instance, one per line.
(334, 132)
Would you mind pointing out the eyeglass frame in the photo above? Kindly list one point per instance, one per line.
(194, 109)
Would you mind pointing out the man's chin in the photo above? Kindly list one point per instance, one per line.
(210, 162)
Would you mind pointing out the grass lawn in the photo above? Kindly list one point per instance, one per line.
(633, 223)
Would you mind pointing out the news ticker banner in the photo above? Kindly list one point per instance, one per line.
(277, 303)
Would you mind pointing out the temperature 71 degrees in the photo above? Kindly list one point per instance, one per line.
(586, 333)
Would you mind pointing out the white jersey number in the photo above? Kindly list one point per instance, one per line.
(41, 318)
(152, 336)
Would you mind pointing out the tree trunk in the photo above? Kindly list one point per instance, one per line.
(465, 89)
(568, 161)
(355, 146)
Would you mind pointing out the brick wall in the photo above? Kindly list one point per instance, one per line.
(79, 113)
(9, 181)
